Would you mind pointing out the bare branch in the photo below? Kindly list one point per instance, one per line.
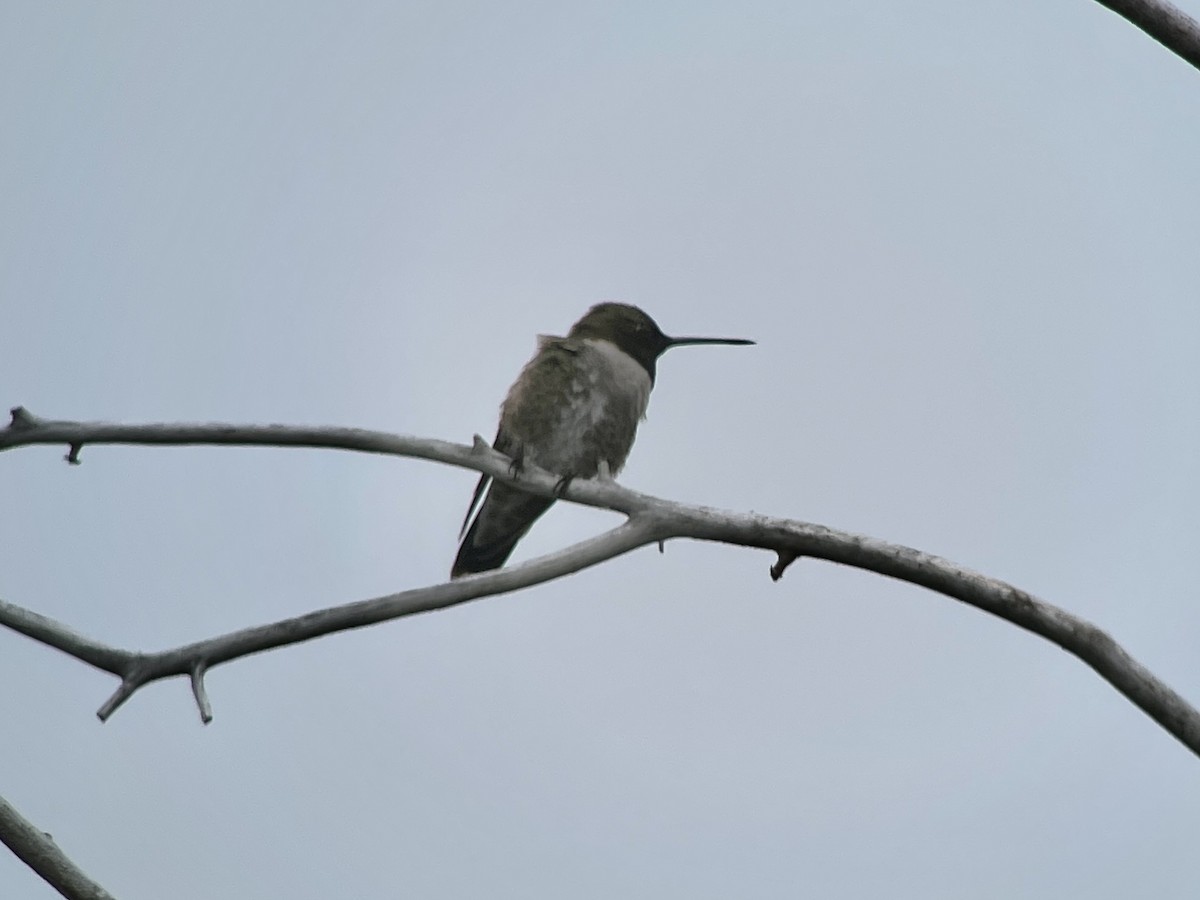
(26, 429)
(1167, 24)
(193, 660)
(651, 521)
(38, 851)
(47, 631)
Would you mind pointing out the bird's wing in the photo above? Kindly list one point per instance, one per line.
(504, 445)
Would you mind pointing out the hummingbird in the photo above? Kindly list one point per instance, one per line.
(574, 411)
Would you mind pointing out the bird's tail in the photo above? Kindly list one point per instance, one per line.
(505, 517)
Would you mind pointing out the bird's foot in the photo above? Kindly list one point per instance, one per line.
(603, 474)
(517, 467)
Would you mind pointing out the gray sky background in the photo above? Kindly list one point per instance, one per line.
(965, 238)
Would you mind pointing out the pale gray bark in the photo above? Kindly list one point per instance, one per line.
(650, 520)
(38, 851)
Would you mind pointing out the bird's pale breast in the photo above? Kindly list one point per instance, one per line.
(576, 404)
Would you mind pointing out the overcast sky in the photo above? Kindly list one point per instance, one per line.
(965, 237)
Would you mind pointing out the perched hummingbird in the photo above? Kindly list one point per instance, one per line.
(574, 411)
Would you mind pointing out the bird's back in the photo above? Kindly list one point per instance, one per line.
(575, 405)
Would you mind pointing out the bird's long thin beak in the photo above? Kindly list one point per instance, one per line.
(693, 341)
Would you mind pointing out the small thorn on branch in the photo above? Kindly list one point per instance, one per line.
(662, 547)
(199, 692)
(72, 456)
(786, 558)
(120, 695)
(21, 418)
